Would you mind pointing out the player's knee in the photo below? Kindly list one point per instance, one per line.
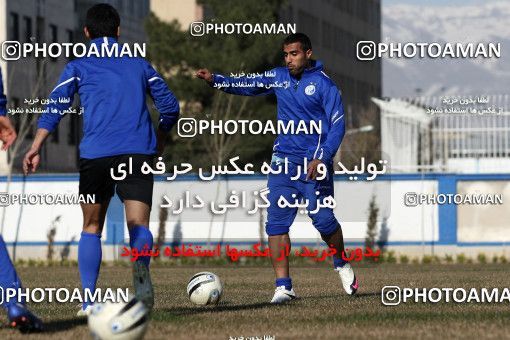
(274, 229)
(326, 236)
(134, 222)
(325, 225)
(92, 226)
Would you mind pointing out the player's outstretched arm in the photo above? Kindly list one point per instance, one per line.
(66, 87)
(243, 86)
(53, 113)
(205, 74)
(32, 159)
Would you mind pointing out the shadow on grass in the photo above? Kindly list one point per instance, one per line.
(226, 306)
(222, 307)
(55, 326)
(367, 294)
(363, 295)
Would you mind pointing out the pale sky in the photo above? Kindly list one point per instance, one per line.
(435, 2)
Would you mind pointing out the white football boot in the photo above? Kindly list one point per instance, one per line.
(84, 312)
(282, 295)
(349, 280)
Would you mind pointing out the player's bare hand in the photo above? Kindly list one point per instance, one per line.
(7, 132)
(312, 169)
(31, 161)
(204, 74)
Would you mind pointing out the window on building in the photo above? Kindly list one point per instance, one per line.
(40, 38)
(131, 4)
(327, 35)
(53, 37)
(309, 24)
(54, 135)
(28, 28)
(70, 39)
(13, 104)
(14, 28)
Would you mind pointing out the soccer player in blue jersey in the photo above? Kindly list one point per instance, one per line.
(117, 129)
(304, 93)
(17, 312)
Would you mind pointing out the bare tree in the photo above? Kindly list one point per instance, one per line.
(221, 146)
(163, 216)
(25, 125)
(25, 122)
(362, 144)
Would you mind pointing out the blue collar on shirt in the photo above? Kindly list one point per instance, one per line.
(316, 66)
(102, 40)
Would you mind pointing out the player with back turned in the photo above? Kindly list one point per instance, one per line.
(310, 96)
(117, 130)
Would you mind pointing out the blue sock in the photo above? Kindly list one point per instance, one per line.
(8, 276)
(284, 281)
(89, 262)
(339, 262)
(140, 237)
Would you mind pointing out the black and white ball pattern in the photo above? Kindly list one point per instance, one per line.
(204, 288)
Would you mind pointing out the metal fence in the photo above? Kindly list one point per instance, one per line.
(448, 134)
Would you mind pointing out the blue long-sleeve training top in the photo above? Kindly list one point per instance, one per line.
(113, 93)
(314, 97)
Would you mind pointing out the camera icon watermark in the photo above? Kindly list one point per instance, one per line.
(11, 50)
(4, 199)
(197, 28)
(411, 199)
(366, 50)
(14, 50)
(390, 295)
(187, 127)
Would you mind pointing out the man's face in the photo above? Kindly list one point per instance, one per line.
(296, 59)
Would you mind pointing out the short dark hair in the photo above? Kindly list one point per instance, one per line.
(302, 38)
(102, 21)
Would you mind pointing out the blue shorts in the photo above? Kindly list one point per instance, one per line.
(279, 219)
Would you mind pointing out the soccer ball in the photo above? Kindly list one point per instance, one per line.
(205, 288)
(119, 321)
